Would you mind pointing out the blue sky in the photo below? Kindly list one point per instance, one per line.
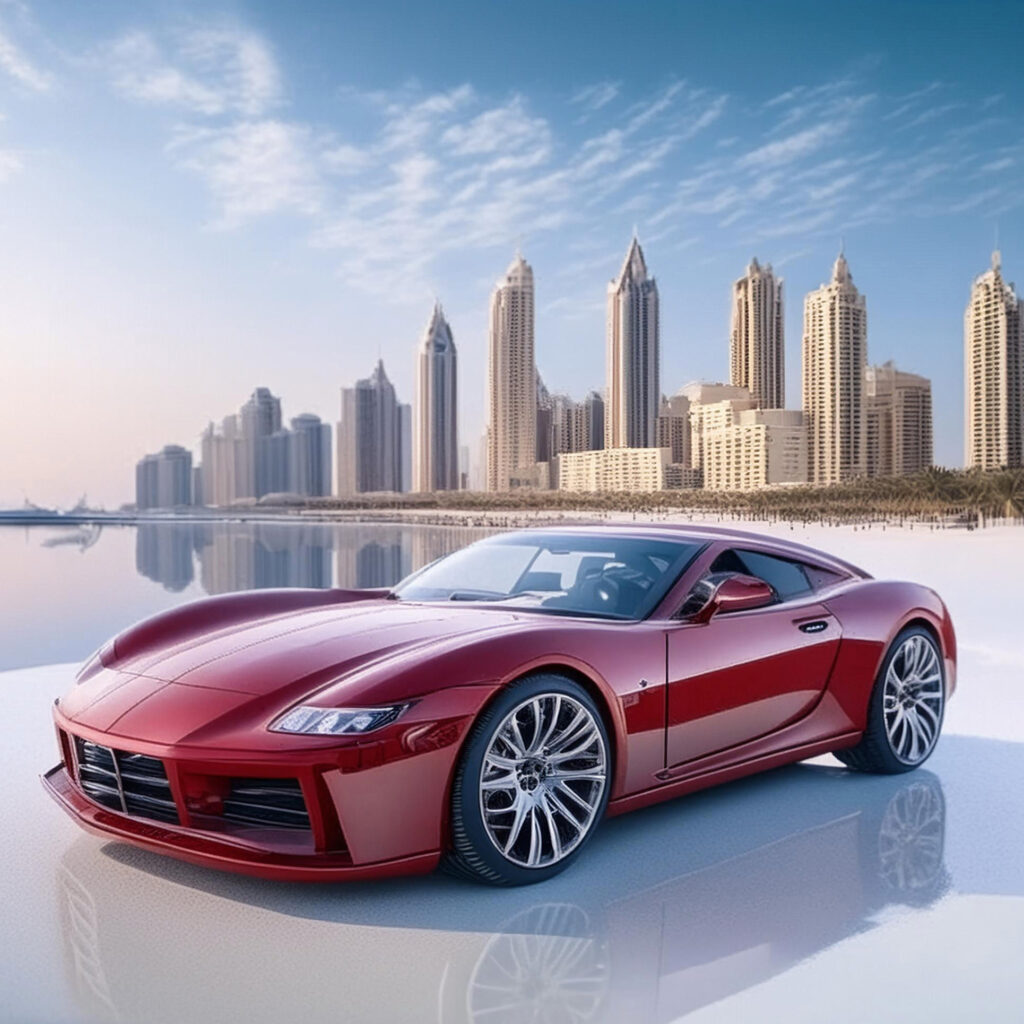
(197, 199)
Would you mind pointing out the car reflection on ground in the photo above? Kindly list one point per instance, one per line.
(677, 907)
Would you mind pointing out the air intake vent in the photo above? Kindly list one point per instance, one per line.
(131, 783)
(272, 803)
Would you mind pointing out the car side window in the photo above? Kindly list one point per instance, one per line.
(788, 579)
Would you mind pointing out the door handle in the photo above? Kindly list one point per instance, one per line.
(815, 626)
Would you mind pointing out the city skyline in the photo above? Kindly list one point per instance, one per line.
(189, 192)
(857, 419)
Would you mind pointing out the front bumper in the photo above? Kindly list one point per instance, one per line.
(376, 806)
(218, 852)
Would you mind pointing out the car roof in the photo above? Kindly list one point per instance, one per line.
(701, 533)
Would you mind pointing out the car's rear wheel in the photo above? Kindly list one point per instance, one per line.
(906, 707)
(532, 783)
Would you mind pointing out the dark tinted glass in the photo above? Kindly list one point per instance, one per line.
(788, 579)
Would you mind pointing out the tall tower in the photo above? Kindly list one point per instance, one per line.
(756, 339)
(512, 381)
(593, 405)
(994, 372)
(370, 436)
(634, 390)
(258, 419)
(309, 456)
(435, 428)
(835, 345)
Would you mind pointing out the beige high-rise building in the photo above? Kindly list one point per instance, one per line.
(756, 337)
(712, 406)
(994, 372)
(898, 421)
(512, 381)
(634, 390)
(756, 448)
(435, 430)
(835, 344)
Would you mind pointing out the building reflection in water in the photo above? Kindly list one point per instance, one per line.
(248, 556)
(163, 553)
(252, 556)
(672, 909)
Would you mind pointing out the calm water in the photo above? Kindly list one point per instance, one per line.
(64, 590)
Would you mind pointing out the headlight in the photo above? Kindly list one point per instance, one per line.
(336, 721)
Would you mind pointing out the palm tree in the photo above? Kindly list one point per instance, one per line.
(1006, 490)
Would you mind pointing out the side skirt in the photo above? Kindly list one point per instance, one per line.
(712, 777)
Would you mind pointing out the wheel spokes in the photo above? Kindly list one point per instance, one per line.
(912, 699)
(543, 779)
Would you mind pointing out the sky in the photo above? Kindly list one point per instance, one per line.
(200, 199)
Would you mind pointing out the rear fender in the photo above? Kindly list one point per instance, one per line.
(872, 613)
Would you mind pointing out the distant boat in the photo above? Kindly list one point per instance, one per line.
(83, 537)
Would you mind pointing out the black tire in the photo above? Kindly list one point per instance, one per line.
(875, 752)
(475, 854)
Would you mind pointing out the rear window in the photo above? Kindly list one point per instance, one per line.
(788, 579)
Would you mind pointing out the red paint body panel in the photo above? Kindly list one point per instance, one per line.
(687, 705)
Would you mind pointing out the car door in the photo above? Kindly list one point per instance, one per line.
(746, 674)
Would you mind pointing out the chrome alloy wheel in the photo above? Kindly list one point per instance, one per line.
(912, 699)
(544, 774)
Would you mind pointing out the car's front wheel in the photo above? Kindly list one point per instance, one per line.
(532, 783)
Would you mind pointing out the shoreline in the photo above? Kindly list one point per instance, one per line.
(497, 518)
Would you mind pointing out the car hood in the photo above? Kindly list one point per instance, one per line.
(180, 690)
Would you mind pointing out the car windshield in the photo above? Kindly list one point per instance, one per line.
(603, 576)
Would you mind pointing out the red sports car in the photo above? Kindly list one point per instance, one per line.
(490, 709)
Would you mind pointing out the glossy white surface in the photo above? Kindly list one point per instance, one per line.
(807, 894)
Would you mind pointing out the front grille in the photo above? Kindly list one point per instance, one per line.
(130, 783)
(274, 803)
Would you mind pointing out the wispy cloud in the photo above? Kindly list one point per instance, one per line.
(420, 173)
(594, 97)
(206, 71)
(253, 167)
(792, 147)
(10, 165)
(14, 62)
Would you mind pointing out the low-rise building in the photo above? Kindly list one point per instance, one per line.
(614, 469)
(757, 448)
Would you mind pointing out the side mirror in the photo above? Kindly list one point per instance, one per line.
(736, 592)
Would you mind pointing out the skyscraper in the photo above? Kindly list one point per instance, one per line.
(835, 344)
(309, 456)
(220, 456)
(756, 339)
(593, 406)
(634, 390)
(898, 421)
(994, 372)
(545, 420)
(258, 419)
(436, 462)
(164, 480)
(512, 381)
(370, 436)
